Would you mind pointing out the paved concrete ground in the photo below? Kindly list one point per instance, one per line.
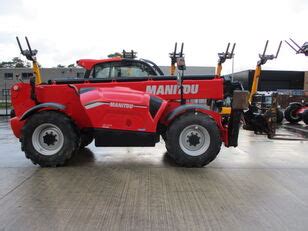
(261, 185)
(300, 128)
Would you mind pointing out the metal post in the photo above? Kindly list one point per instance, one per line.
(232, 66)
(5, 91)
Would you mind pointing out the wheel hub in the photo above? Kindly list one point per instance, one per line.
(50, 138)
(47, 139)
(194, 140)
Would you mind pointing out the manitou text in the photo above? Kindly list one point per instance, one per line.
(172, 89)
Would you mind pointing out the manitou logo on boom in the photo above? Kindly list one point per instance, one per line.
(172, 89)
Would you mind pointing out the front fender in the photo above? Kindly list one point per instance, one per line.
(192, 108)
(201, 109)
(38, 107)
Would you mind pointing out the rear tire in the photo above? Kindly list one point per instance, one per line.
(290, 114)
(49, 138)
(305, 116)
(193, 140)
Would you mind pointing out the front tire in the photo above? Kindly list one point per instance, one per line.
(290, 114)
(193, 140)
(49, 138)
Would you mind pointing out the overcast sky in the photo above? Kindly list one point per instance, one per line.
(67, 30)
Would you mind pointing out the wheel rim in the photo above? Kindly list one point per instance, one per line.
(194, 140)
(47, 139)
(293, 115)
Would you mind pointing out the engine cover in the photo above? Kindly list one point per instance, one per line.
(121, 108)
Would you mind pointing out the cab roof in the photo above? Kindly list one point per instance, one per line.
(89, 63)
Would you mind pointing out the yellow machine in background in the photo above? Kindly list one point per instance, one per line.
(222, 57)
(257, 74)
(263, 113)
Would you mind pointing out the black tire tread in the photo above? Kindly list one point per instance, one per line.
(174, 149)
(288, 113)
(54, 160)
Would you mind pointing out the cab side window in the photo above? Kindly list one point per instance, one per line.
(124, 69)
(130, 69)
(101, 72)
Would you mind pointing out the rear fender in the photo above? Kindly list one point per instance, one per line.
(18, 122)
(50, 105)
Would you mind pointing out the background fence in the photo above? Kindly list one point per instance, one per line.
(288, 96)
(5, 103)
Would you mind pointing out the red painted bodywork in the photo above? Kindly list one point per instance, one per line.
(120, 108)
(301, 110)
(116, 105)
(89, 63)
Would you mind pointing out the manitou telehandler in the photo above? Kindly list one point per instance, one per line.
(123, 102)
(263, 110)
(297, 111)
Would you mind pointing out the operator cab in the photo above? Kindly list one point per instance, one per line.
(262, 101)
(122, 66)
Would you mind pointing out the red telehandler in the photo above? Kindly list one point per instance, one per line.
(297, 111)
(123, 101)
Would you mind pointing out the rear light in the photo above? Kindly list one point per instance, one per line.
(15, 87)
